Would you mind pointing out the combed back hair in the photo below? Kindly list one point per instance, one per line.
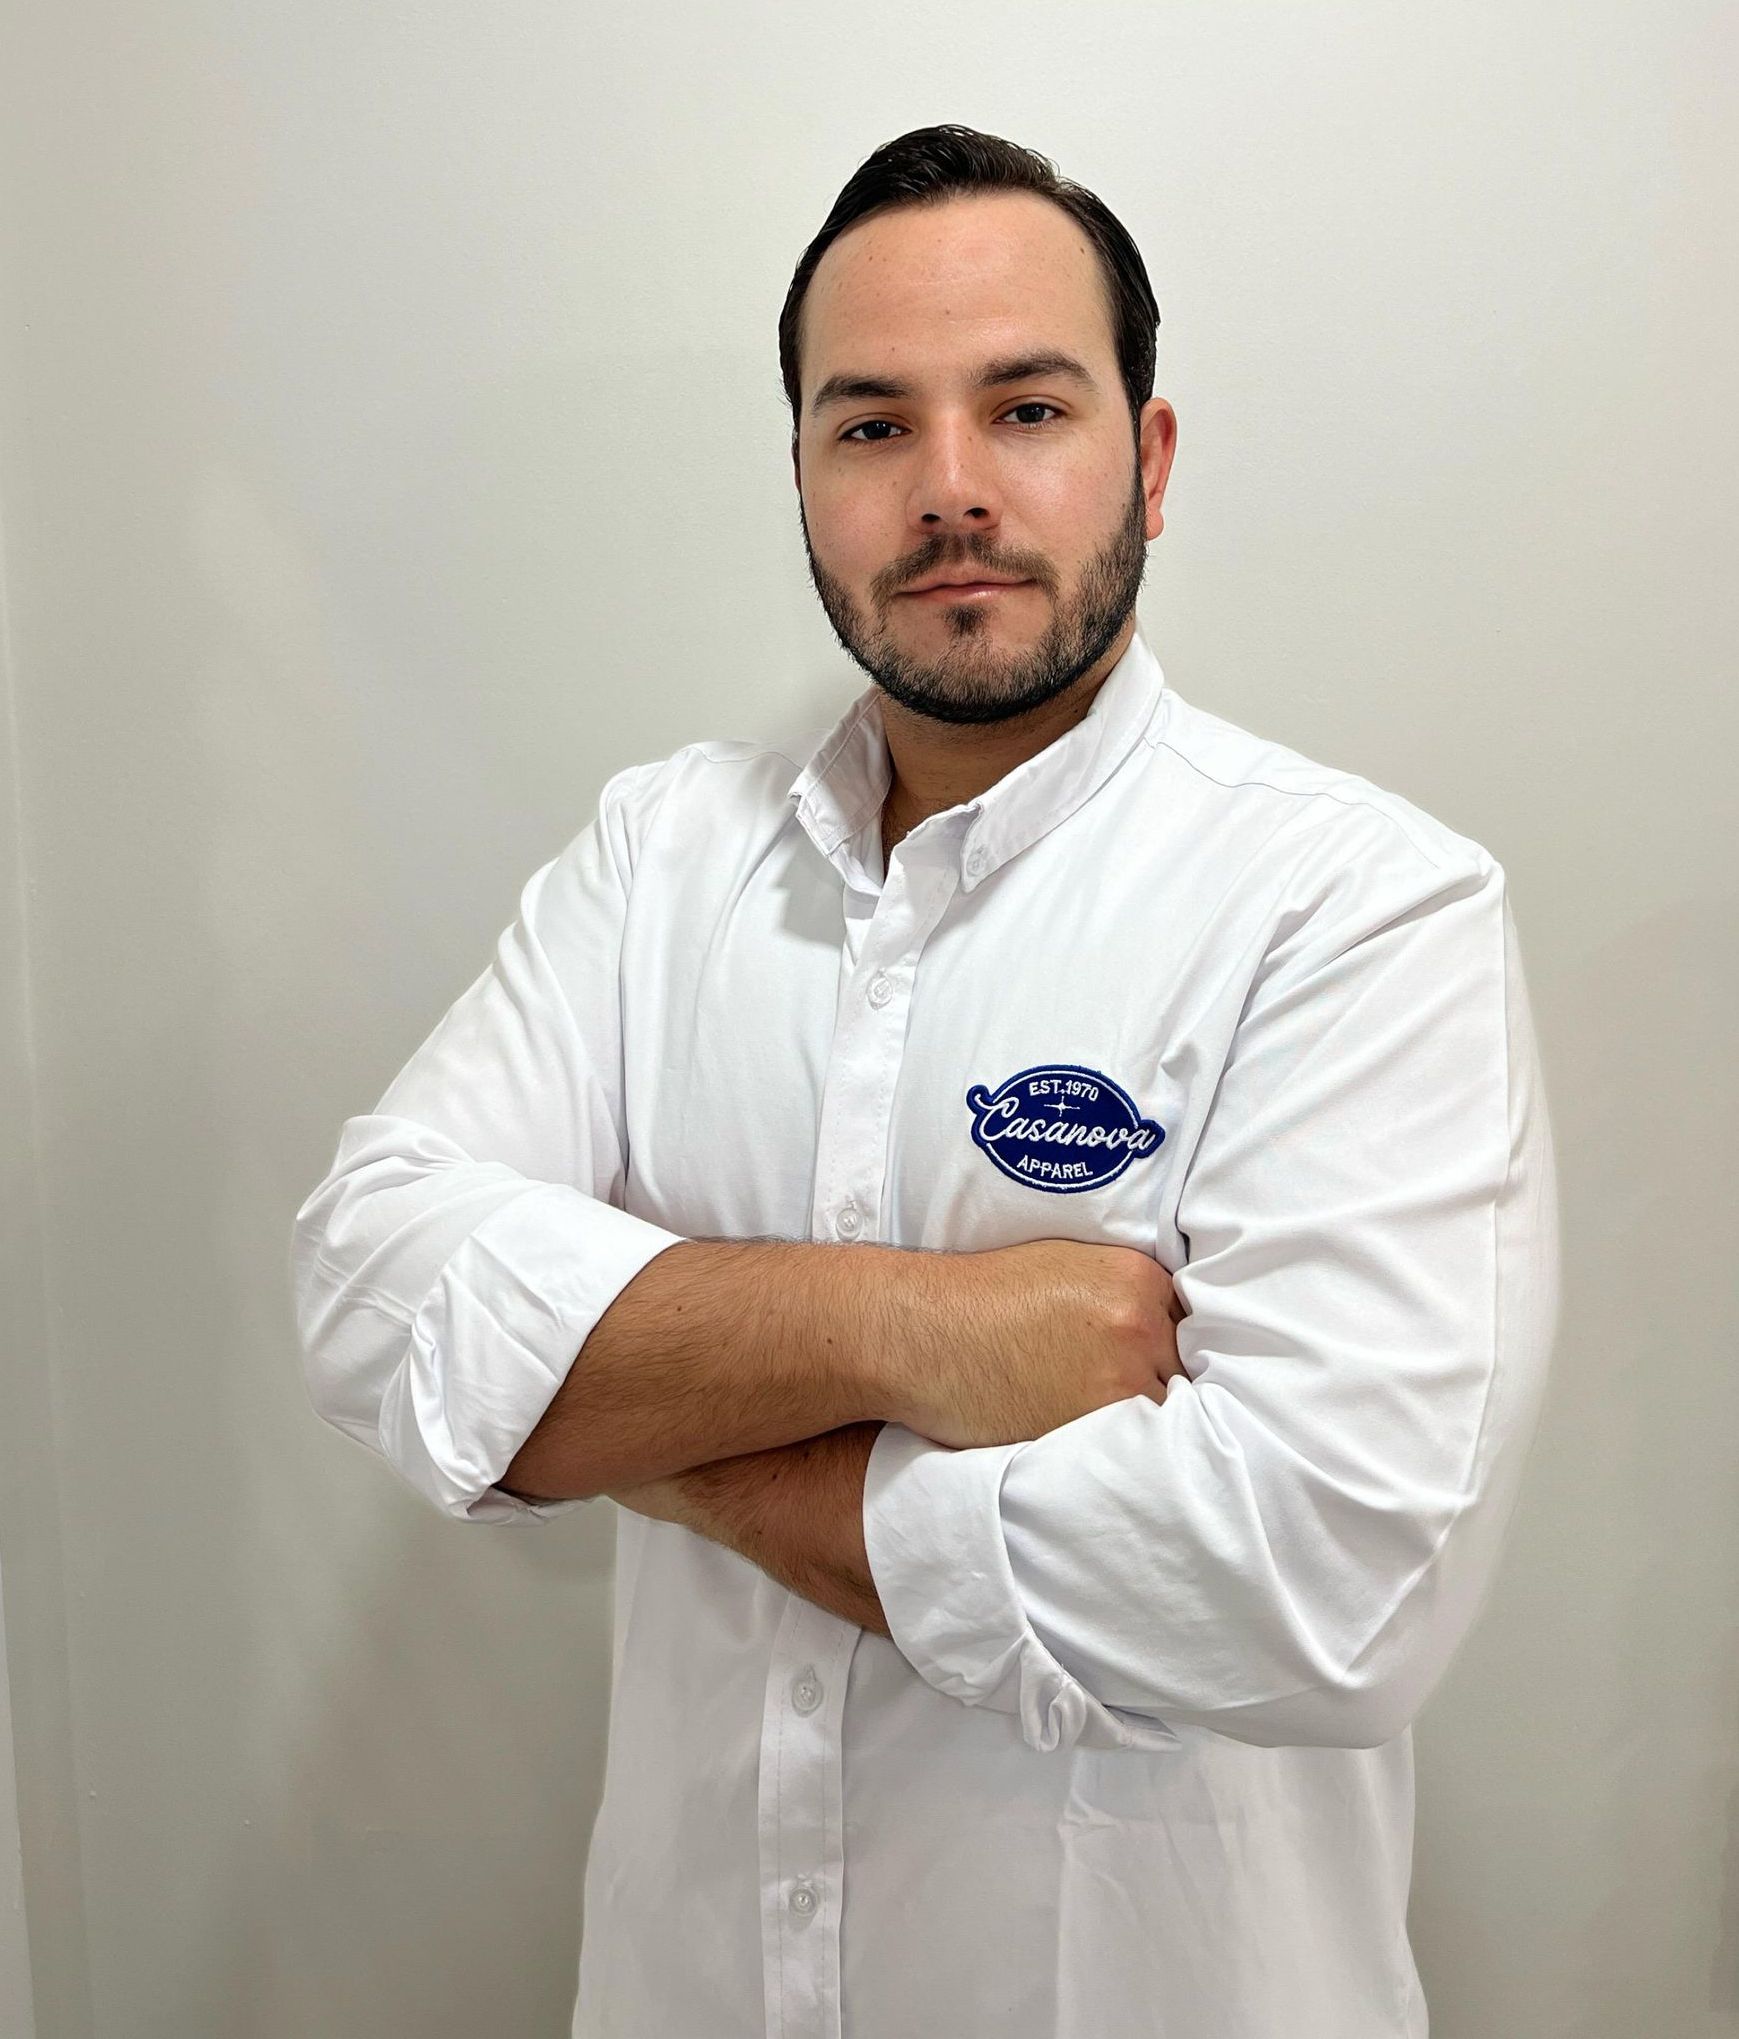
(933, 164)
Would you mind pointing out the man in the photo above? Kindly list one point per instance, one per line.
(1037, 1204)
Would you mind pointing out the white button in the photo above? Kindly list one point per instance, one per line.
(881, 988)
(974, 863)
(849, 1222)
(806, 1690)
(804, 1899)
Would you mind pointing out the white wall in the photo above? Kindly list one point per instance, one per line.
(391, 448)
(17, 2016)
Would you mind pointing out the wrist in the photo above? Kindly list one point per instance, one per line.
(879, 1290)
(917, 1310)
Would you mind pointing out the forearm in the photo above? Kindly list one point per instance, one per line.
(797, 1513)
(716, 1349)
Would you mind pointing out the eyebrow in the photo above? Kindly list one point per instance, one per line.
(1045, 364)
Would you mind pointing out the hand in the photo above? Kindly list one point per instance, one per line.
(998, 1347)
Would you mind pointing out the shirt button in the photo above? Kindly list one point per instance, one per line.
(849, 1222)
(975, 861)
(804, 1899)
(806, 1690)
(881, 988)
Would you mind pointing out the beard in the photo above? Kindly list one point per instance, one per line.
(982, 673)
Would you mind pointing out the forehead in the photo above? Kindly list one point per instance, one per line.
(975, 276)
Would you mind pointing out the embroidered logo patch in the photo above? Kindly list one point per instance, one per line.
(1060, 1127)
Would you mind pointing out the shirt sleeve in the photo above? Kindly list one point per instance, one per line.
(1291, 1546)
(469, 1233)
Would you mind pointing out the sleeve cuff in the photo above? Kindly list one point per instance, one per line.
(496, 1336)
(933, 1532)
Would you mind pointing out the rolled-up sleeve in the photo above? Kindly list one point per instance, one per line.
(1290, 1548)
(469, 1233)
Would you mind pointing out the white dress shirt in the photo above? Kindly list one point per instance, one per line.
(1138, 1759)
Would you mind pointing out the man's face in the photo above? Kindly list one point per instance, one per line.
(1036, 478)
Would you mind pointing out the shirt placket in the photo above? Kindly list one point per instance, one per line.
(801, 1772)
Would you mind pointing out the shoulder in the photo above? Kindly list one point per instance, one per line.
(709, 784)
(1258, 790)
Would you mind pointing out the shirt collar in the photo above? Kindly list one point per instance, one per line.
(845, 779)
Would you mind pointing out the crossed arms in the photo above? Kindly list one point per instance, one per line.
(1289, 1551)
(738, 1387)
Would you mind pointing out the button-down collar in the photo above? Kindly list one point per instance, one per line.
(844, 782)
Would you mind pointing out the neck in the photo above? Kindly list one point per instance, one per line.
(938, 765)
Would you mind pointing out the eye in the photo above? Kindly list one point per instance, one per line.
(1031, 404)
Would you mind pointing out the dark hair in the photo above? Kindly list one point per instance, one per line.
(932, 164)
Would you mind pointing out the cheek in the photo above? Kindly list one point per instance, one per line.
(1070, 502)
(849, 530)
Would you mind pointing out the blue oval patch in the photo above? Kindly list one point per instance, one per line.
(1060, 1127)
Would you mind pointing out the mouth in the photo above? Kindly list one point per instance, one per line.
(966, 591)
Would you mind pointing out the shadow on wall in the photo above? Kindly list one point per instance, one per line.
(1611, 1677)
(358, 1746)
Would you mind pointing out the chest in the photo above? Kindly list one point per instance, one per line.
(928, 1066)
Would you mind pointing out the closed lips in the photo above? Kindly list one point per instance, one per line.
(962, 587)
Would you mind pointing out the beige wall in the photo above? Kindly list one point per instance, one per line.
(391, 448)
